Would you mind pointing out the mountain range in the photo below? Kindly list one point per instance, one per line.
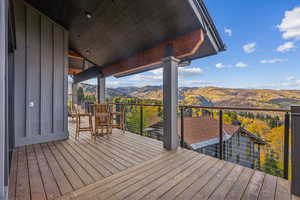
(209, 96)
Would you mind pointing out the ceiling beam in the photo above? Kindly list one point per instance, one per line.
(73, 54)
(87, 74)
(182, 47)
(73, 71)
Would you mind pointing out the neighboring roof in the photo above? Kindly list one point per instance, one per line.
(204, 131)
(199, 129)
(119, 30)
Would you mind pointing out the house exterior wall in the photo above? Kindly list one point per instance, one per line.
(41, 68)
(3, 65)
(238, 149)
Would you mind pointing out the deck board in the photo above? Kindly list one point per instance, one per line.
(49, 181)
(36, 183)
(132, 167)
(253, 189)
(22, 189)
(181, 186)
(214, 183)
(73, 178)
(13, 177)
(240, 186)
(224, 188)
(77, 167)
(62, 181)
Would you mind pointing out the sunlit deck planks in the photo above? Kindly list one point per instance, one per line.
(184, 174)
(128, 166)
(47, 171)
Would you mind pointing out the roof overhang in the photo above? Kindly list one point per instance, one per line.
(125, 36)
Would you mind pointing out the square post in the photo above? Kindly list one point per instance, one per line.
(295, 183)
(74, 94)
(101, 89)
(170, 93)
(3, 63)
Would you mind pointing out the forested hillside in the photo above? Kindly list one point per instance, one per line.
(209, 96)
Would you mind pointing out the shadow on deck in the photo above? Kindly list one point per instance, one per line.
(129, 166)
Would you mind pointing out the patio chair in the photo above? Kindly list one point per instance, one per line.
(103, 125)
(118, 116)
(84, 123)
(71, 113)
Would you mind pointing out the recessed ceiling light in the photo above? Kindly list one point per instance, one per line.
(88, 15)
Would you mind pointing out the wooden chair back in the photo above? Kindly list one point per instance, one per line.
(118, 116)
(102, 115)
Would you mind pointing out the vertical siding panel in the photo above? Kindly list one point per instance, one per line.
(58, 79)
(41, 67)
(65, 87)
(20, 70)
(46, 76)
(33, 72)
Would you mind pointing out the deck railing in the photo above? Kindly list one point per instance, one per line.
(266, 146)
(272, 126)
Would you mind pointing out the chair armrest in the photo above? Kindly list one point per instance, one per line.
(84, 115)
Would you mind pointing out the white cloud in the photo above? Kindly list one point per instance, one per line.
(290, 78)
(228, 31)
(113, 84)
(274, 60)
(195, 83)
(250, 47)
(290, 83)
(141, 77)
(241, 64)
(158, 71)
(290, 24)
(220, 65)
(182, 71)
(286, 47)
(194, 71)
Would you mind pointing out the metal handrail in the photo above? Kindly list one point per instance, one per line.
(215, 107)
(239, 108)
(182, 109)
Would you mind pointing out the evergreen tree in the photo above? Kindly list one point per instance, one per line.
(271, 165)
(80, 95)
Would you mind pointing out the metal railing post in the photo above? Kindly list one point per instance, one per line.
(182, 127)
(141, 120)
(124, 118)
(295, 182)
(286, 145)
(221, 134)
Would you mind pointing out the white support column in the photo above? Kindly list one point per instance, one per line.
(101, 89)
(170, 93)
(295, 183)
(3, 63)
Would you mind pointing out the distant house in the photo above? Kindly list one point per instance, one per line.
(202, 135)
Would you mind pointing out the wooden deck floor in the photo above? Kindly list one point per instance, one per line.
(184, 174)
(129, 166)
(50, 170)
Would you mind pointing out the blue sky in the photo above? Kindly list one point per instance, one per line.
(263, 49)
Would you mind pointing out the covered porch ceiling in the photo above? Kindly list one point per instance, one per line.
(121, 37)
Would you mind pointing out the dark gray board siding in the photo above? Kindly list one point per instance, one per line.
(3, 63)
(40, 77)
(46, 76)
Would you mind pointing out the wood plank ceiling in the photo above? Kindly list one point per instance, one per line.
(117, 30)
